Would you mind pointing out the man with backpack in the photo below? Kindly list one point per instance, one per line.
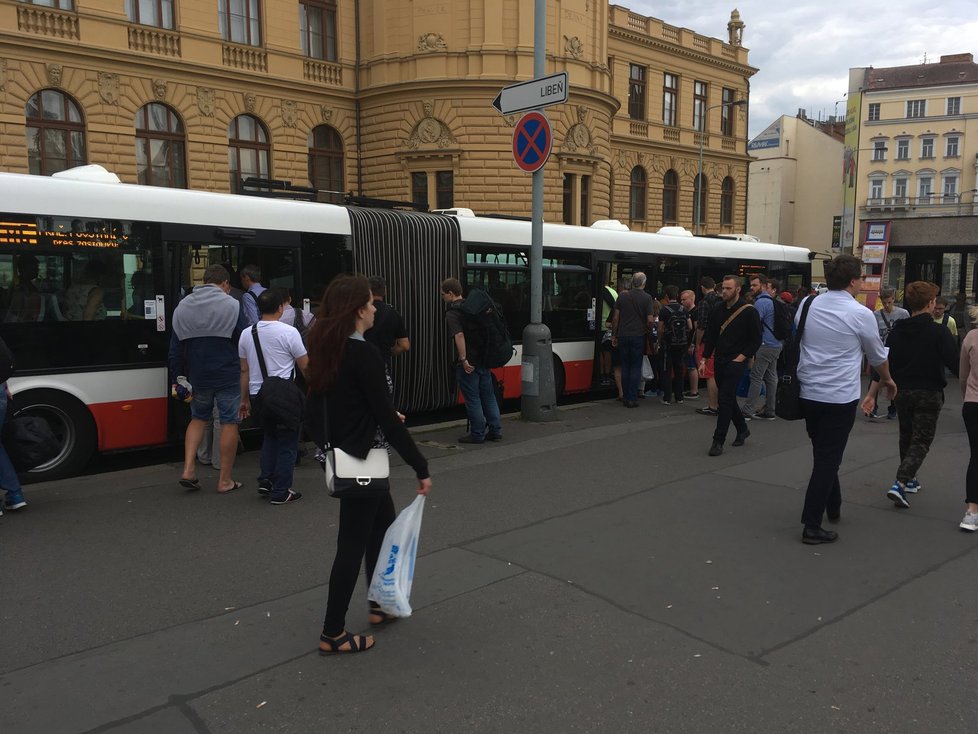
(471, 335)
(775, 328)
(388, 333)
(674, 332)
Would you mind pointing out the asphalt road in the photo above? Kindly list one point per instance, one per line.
(595, 574)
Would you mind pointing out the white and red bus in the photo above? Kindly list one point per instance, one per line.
(91, 270)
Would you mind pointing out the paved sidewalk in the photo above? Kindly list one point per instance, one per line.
(596, 574)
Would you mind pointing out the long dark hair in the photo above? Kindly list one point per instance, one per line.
(335, 321)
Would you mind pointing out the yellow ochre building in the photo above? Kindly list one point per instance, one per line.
(382, 99)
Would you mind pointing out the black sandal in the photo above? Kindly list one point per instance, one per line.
(382, 617)
(357, 643)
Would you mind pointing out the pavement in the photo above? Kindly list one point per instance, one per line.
(594, 574)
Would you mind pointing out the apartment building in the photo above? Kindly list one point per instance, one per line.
(909, 170)
(795, 191)
(382, 99)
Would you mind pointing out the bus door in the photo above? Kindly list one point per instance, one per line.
(614, 277)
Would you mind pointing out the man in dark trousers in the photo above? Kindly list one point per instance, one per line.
(631, 326)
(388, 333)
(675, 328)
(732, 337)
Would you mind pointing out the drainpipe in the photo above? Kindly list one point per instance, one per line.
(356, 94)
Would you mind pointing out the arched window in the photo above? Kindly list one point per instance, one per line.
(727, 202)
(699, 202)
(670, 197)
(326, 163)
(638, 192)
(248, 150)
(55, 133)
(161, 158)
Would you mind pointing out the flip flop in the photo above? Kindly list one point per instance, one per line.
(190, 483)
(236, 485)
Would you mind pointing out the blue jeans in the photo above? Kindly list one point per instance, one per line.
(279, 448)
(480, 401)
(632, 349)
(8, 477)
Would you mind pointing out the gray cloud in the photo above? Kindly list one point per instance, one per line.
(804, 51)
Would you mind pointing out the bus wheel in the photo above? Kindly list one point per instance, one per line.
(560, 378)
(70, 421)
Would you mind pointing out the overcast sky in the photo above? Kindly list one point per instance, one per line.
(804, 49)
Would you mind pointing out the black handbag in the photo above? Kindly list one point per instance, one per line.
(29, 442)
(280, 401)
(348, 476)
(788, 396)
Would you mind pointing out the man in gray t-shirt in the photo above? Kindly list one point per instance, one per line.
(630, 327)
(886, 317)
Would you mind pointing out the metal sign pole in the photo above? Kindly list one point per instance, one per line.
(538, 401)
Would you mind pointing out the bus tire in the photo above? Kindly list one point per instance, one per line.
(560, 378)
(71, 422)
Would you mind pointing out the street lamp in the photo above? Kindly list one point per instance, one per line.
(698, 188)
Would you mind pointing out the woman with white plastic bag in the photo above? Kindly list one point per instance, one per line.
(347, 380)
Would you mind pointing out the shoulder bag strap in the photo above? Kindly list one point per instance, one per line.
(804, 317)
(261, 357)
(885, 320)
(732, 316)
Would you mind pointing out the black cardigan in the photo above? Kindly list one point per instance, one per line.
(359, 402)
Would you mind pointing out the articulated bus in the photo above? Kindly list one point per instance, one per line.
(91, 270)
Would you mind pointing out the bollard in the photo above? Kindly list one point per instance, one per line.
(538, 400)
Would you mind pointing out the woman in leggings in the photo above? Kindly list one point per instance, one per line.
(349, 372)
(968, 375)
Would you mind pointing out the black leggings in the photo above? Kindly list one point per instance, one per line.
(363, 523)
(969, 412)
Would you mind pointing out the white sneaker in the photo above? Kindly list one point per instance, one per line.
(970, 522)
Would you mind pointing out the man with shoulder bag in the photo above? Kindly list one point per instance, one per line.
(271, 351)
(733, 335)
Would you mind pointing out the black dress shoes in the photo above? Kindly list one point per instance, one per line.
(716, 449)
(741, 437)
(816, 536)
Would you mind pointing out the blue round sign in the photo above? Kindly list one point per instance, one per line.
(532, 141)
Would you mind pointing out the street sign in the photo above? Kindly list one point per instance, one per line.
(532, 94)
(532, 141)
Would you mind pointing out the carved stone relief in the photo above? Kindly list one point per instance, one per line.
(3, 74)
(108, 87)
(431, 42)
(54, 74)
(510, 120)
(250, 102)
(206, 101)
(159, 89)
(290, 113)
(430, 131)
(573, 47)
(326, 113)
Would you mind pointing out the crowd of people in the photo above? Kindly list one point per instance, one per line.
(735, 342)
(229, 345)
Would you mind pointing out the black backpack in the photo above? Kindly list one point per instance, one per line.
(6, 362)
(486, 336)
(783, 321)
(677, 326)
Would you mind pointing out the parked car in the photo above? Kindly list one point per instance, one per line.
(819, 288)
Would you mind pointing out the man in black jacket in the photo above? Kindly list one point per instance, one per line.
(920, 348)
(733, 335)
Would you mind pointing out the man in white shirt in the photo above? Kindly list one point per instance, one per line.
(283, 352)
(838, 331)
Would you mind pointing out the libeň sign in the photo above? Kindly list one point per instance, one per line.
(532, 94)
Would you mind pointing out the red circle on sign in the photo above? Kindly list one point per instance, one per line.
(532, 142)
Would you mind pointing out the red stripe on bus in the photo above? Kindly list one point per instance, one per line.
(577, 378)
(130, 423)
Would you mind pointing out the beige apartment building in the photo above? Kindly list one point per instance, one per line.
(795, 191)
(910, 164)
(382, 99)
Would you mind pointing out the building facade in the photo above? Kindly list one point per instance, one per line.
(795, 191)
(910, 164)
(382, 99)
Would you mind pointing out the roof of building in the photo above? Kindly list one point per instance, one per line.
(952, 69)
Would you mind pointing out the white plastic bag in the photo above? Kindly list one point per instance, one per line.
(394, 574)
(647, 373)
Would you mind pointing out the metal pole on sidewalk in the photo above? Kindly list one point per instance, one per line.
(538, 401)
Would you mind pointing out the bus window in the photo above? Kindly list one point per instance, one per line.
(670, 271)
(509, 287)
(567, 298)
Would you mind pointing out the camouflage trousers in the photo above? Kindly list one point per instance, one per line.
(917, 411)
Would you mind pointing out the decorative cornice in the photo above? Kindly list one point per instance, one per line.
(673, 48)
